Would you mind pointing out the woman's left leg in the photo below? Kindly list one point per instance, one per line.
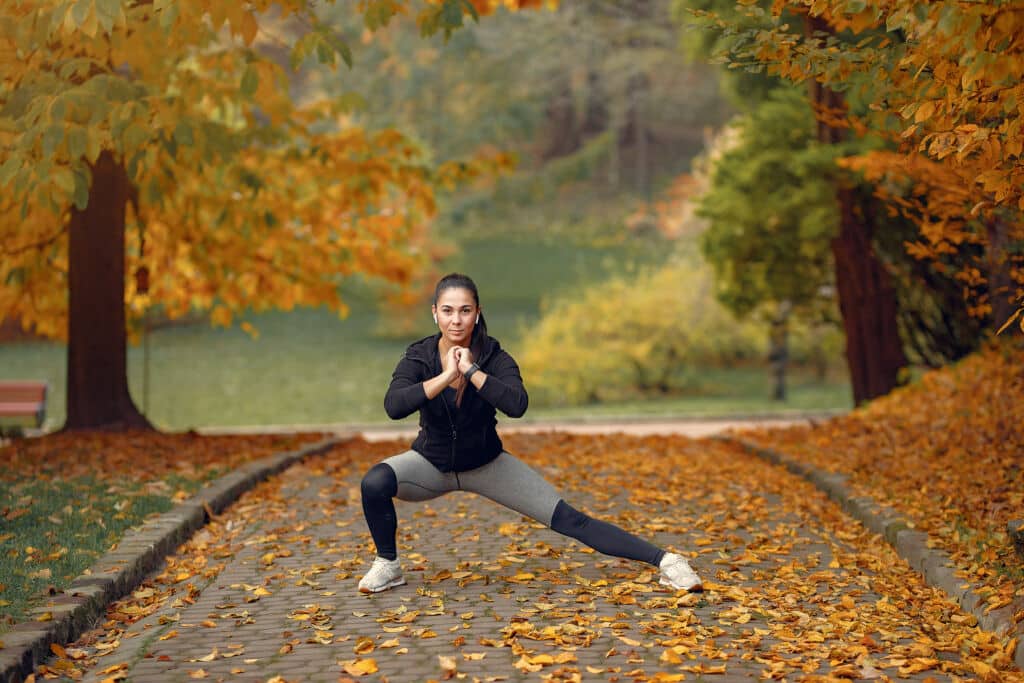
(511, 482)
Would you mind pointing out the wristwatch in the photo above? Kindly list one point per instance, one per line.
(469, 373)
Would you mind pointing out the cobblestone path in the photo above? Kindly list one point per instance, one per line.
(794, 588)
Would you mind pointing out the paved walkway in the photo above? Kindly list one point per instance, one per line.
(695, 427)
(794, 587)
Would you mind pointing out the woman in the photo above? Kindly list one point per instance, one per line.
(456, 379)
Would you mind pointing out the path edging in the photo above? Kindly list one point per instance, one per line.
(70, 613)
(935, 565)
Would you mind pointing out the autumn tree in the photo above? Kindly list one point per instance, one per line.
(866, 295)
(151, 154)
(943, 81)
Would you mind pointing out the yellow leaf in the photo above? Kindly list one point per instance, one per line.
(198, 673)
(662, 676)
(924, 112)
(169, 635)
(249, 28)
(360, 667)
(221, 315)
(447, 663)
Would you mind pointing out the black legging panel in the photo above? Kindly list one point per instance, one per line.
(379, 487)
(602, 536)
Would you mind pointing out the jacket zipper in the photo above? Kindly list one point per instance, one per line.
(451, 423)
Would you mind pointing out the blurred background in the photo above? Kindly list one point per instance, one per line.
(658, 244)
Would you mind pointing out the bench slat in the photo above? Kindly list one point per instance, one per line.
(18, 390)
(16, 409)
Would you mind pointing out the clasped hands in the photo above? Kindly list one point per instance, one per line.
(456, 362)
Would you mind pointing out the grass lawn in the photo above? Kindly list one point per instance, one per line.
(66, 499)
(309, 367)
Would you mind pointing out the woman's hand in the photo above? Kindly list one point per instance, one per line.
(464, 358)
(450, 363)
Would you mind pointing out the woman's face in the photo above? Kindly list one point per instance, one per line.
(456, 312)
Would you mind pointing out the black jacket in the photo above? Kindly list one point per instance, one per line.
(456, 438)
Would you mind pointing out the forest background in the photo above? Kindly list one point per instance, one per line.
(659, 246)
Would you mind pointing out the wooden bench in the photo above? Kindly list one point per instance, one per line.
(22, 400)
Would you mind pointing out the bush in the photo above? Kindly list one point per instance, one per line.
(645, 335)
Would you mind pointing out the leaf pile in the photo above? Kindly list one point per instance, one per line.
(946, 452)
(793, 588)
(66, 498)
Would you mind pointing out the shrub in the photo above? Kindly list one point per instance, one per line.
(649, 334)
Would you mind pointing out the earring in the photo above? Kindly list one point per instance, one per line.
(477, 319)
(435, 318)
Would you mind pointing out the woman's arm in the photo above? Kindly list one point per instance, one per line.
(502, 387)
(408, 390)
(405, 394)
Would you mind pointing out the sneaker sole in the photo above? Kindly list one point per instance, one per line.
(697, 588)
(392, 584)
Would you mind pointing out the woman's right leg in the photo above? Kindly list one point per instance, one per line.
(406, 476)
(378, 488)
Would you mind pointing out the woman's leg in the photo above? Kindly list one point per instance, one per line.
(407, 476)
(514, 484)
(602, 536)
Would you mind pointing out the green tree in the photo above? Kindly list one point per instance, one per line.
(771, 217)
(866, 295)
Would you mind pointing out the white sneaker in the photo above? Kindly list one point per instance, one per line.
(383, 574)
(676, 572)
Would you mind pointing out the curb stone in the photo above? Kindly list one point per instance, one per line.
(70, 613)
(935, 565)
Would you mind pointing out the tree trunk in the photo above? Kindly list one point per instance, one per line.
(97, 385)
(1000, 284)
(867, 298)
(778, 355)
(867, 301)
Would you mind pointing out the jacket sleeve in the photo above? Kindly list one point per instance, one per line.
(504, 388)
(405, 394)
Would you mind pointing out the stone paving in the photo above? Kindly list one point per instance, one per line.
(286, 603)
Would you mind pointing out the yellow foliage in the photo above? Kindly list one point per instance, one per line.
(946, 96)
(641, 334)
(245, 198)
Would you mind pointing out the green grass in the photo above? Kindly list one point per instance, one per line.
(55, 529)
(310, 367)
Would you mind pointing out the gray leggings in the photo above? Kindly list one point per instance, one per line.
(506, 480)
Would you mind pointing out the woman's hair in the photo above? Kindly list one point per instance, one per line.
(460, 281)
